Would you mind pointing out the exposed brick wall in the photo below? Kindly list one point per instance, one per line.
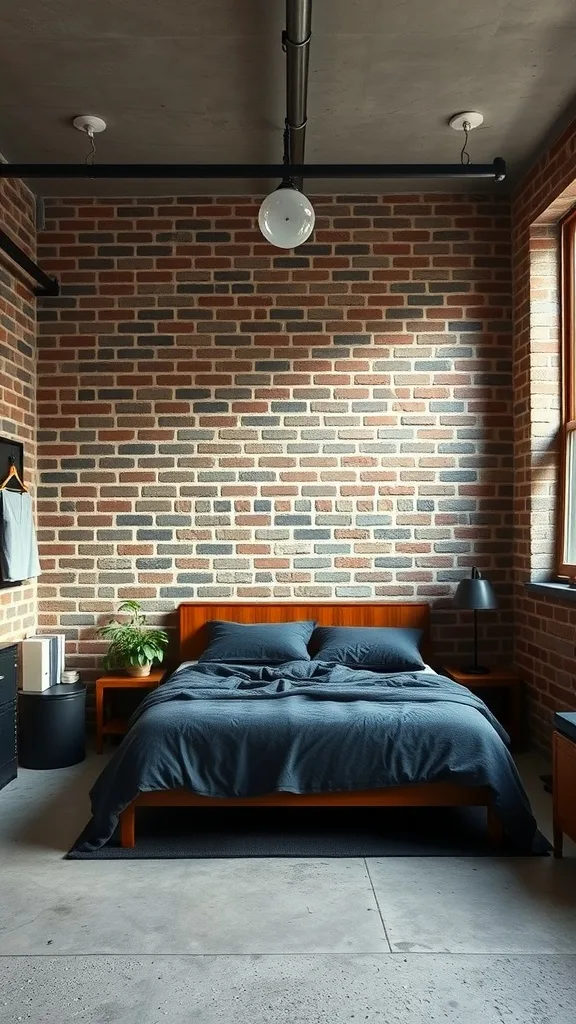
(17, 380)
(545, 629)
(219, 418)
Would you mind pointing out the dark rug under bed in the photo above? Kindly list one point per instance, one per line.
(172, 833)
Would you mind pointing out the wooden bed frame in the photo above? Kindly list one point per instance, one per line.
(193, 637)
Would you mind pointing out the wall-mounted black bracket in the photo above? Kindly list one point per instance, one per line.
(47, 285)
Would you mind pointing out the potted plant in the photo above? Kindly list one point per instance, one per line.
(134, 646)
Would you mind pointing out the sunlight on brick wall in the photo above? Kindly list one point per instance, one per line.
(545, 628)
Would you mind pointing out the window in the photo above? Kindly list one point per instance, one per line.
(567, 493)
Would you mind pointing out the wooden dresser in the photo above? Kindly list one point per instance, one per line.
(564, 785)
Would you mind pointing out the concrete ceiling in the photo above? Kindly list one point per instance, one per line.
(204, 81)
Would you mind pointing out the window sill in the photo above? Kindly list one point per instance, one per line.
(556, 591)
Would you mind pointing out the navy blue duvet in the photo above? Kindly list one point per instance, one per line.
(306, 727)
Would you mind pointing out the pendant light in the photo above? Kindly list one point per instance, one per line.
(286, 217)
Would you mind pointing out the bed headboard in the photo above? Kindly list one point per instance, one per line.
(193, 617)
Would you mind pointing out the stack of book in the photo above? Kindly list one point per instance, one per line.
(42, 661)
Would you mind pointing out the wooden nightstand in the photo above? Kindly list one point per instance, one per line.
(119, 681)
(564, 784)
(497, 679)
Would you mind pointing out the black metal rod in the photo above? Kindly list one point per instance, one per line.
(48, 285)
(496, 170)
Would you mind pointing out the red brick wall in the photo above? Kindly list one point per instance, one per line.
(221, 419)
(545, 628)
(17, 380)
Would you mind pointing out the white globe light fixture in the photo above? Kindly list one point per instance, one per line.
(286, 217)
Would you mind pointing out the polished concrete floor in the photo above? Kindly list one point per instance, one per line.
(383, 941)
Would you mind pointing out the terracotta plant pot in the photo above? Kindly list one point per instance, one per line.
(138, 670)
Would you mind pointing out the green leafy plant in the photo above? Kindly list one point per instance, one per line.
(133, 644)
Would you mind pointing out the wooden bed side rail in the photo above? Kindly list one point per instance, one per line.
(431, 794)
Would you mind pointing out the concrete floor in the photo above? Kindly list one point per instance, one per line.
(384, 941)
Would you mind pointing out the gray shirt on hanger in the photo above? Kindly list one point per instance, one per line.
(18, 547)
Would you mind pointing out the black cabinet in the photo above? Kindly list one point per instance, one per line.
(51, 726)
(8, 687)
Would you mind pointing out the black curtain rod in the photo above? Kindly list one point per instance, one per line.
(48, 285)
(496, 170)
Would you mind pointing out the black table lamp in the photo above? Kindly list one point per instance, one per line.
(477, 595)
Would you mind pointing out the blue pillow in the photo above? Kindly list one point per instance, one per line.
(382, 649)
(261, 643)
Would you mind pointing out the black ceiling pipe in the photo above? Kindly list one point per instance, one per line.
(296, 42)
(496, 170)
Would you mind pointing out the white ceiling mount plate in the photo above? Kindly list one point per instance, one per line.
(472, 118)
(89, 124)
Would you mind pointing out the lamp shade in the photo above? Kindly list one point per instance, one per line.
(286, 217)
(475, 594)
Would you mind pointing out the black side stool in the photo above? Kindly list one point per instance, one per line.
(52, 726)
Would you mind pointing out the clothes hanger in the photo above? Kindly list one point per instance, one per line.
(13, 474)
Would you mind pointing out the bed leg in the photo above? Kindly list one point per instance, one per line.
(128, 827)
(494, 826)
(558, 841)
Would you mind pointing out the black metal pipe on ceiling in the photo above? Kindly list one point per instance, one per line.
(496, 170)
(47, 285)
(296, 42)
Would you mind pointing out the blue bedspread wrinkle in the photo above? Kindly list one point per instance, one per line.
(226, 730)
